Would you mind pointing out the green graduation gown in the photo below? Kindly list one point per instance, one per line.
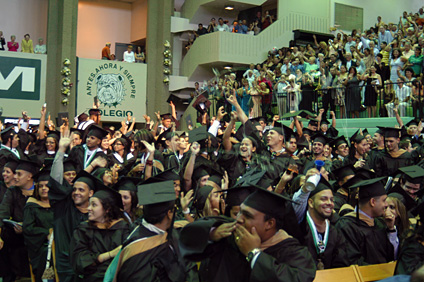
(38, 219)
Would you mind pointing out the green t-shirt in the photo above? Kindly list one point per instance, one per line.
(417, 63)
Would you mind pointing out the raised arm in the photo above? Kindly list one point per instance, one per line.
(188, 173)
(226, 142)
(241, 115)
(42, 123)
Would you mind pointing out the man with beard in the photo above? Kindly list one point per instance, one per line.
(370, 239)
(392, 158)
(324, 242)
(12, 207)
(340, 150)
(252, 248)
(318, 142)
(378, 140)
(83, 155)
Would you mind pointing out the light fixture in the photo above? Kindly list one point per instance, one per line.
(228, 67)
(229, 7)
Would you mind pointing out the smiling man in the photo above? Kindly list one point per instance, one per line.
(252, 248)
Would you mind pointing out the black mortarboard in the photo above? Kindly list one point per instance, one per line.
(313, 122)
(30, 166)
(288, 133)
(307, 114)
(7, 133)
(370, 188)
(200, 197)
(54, 134)
(289, 115)
(390, 132)
(322, 185)
(278, 127)
(166, 175)
(307, 131)
(166, 116)
(172, 98)
(325, 121)
(198, 134)
(398, 192)
(365, 173)
(413, 174)
(268, 202)
(11, 163)
(413, 122)
(43, 174)
(69, 165)
(106, 193)
(78, 131)
(365, 132)
(380, 130)
(237, 195)
(337, 142)
(94, 111)
(127, 184)
(165, 136)
(302, 143)
(88, 179)
(97, 131)
(319, 137)
(157, 197)
(256, 120)
(251, 177)
(357, 137)
(343, 171)
(200, 171)
(201, 103)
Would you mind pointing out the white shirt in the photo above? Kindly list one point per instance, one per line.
(129, 57)
(403, 93)
(40, 49)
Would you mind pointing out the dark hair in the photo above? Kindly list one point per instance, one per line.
(353, 68)
(278, 222)
(410, 70)
(154, 219)
(379, 55)
(418, 49)
(36, 193)
(393, 52)
(27, 34)
(220, 19)
(112, 211)
(142, 134)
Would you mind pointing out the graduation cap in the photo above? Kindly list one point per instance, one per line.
(43, 174)
(69, 165)
(7, 133)
(29, 166)
(11, 163)
(343, 171)
(108, 194)
(201, 104)
(413, 122)
(365, 132)
(413, 174)
(80, 132)
(313, 122)
(307, 131)
(200, 197)
(198, 134)
(97, 131)
(127, 184)
(165, 136)
(54, 134)
(398, 192)
(236, 195)
(166, 175)
(157, 197)
(370, 188)
(251, 177)
(88, 179)
(290, 115)
(302, 143)
(322, 185)
(166, 116)
(390, 132)
(172, 98)
(321, 138)
(325, 121)
(257, 120)
(268, 202)
(306, 114)
(278, 127)
(335, 143)
(357, 137)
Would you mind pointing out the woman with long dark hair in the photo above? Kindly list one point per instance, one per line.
(97, 241)
(353, 93)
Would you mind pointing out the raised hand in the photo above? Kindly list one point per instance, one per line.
(195, 148)
(246, 241)
(186, 199)
(223, 231)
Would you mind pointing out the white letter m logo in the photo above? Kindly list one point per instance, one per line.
(28, 79)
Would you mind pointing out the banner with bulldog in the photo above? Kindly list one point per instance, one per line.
(118, 88)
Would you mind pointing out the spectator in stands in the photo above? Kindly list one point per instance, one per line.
(416, 61)
(129, 56)
(267, 20)
(350, 43)
(2, 41)
(200, 30)
(353, 95)
(286, 66)
(403, 94)
(40, 48)
(212, 25)
(235, 27)
(396, 64)
(106, 52)
(384, 36)
(221, 26)
(244, 27)
(407, 50)
(27, 45)
(139, 55)
(12, 45)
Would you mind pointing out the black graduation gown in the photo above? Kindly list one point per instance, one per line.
(41, 151)
(77, 155)
(89, 242)
(339, 200)
(352, 160)
(12, 207)
(112, 160)
(5, 154)
(386, 165)
(411, 256)
(335, 252)
(154, 262)
(284, 261)
(365, 244)
(38, 219)
(3, 189)
(66, 219)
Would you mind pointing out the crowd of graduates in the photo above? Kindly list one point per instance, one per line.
(254, 202)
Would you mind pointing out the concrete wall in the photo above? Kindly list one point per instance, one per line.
(138, 20)
(101, 22)
(19, 17)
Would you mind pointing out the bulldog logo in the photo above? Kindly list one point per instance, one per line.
(110, 89)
